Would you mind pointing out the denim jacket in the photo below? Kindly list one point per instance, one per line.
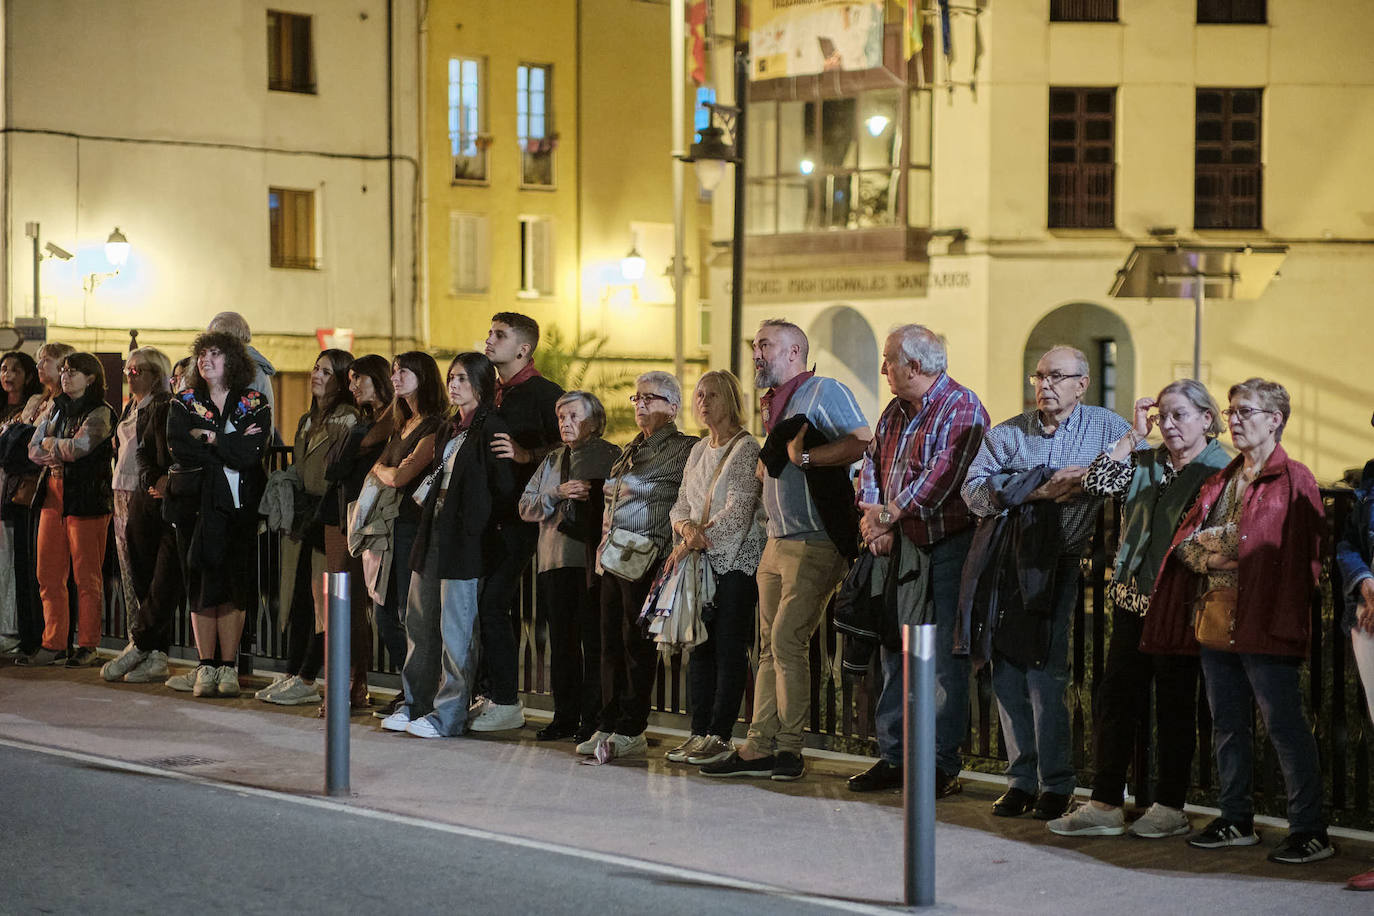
(1356, 545)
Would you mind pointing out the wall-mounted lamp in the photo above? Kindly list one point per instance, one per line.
(632, 265)
(876, 124)
(117, 253)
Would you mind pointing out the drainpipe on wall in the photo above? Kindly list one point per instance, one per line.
(678, 87)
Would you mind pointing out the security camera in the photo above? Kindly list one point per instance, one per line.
(57, 251)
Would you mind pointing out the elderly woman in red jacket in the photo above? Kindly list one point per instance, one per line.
(1238, 579)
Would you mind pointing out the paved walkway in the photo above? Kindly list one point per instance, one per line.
(812, 836)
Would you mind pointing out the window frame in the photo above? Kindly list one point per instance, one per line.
(1225, 173)
(546, 141)
(480, 253)
(480, 138)
(285, 246)
(1223, 12)
(1076, 208)
(282, 29)
(529, 268)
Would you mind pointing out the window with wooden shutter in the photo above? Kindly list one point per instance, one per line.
(1083, 11)
(291, 226)
(536, 256)
(1234, 12)
(290, 55)
(1082, 166)
(1227, 173)
(469, 253)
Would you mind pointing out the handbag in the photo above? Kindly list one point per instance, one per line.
(183, 482)
(1215, 618)
(25, 490)
(626, 553)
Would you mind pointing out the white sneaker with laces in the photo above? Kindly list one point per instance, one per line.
(207, 681)
(479, 706)
(122, 664)
(153, 668)
(398, 721)
(423, 728)
(1160, 821)
(622, 746)
(498, 717)
(228, 682)
(184, 682)
(1089, 820)
(588, 748)
(295, 692)
(278, 680)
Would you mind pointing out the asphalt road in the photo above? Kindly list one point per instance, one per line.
(84, 837)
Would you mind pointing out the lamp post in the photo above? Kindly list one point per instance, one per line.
(716, 146)
(117, 253)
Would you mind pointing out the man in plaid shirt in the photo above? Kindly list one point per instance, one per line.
(909, 490)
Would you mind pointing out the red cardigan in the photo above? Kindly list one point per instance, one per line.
(1281, 529)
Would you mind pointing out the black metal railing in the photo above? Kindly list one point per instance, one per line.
(842, 707)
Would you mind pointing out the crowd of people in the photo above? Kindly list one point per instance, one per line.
(436, 490)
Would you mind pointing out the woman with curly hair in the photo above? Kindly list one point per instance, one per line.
(74, 445)
(217, 429)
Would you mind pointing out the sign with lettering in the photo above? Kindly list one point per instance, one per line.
(872, 284)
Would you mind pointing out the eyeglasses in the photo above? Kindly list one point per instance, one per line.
(1243, 413)
(1054, 378)
(132, 371)
(644, 400)
(68, 370)
(1178, 416)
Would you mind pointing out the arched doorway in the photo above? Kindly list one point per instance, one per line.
(1103, 336)
(844, 346)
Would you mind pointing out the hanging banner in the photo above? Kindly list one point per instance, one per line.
(806, 37)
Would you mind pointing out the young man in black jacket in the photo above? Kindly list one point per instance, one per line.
(525, 401)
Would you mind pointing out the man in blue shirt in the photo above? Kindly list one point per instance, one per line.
(1064, 434)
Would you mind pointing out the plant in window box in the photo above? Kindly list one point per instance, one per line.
(483, 142)
(541, 146)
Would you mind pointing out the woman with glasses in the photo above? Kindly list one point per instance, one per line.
(635, 533)
(466, 493)
(1239, 578)
(564, 499)
(73, 445)
(1156, 487)
(149, 548)
(217, 429)
(19, 381)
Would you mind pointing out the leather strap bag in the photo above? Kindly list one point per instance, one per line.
(1215, 618)
(626, 553)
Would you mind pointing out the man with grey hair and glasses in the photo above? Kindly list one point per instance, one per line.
(816, 430)
(909, 488)
(1061, 435)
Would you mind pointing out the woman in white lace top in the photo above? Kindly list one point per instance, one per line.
(717, 512)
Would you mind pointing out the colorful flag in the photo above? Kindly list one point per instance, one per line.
(912, 40)
(945, 43)
(696, 24)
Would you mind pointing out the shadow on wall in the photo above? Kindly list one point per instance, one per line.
(844, 346)
(1103, 336)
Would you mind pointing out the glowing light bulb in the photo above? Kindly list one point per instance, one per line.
(877, 124)
(807, 166)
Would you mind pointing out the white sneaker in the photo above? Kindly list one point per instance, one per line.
(152, 668)
(499, 717)
(1160, 821)
(423, 728)
(228, 679)
(207, 681)
(182, 683)
(588, 748)
(1089, 820)
(622, 746)
(122, 664)
(479, 706)
(295, 692)
(277, 681)
(398, 721)
(8, 644)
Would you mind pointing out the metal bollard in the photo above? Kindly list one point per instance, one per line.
(338, 668)
(918, 771)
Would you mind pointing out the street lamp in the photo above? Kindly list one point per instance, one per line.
(632, 265)
(117, 253)
(716, 146)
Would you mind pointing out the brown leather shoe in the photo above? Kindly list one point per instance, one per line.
(1013, 803)
(882, 775)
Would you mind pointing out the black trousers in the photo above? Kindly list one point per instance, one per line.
(629, 657)
(572, 610)
(1122, 703)
(719, 668)
(304, 646)
(29, 606)
(496, 613)
(155, 569)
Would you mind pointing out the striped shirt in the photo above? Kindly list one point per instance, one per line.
(643, 484)
(1021, 443)
(831, 408)
(919, 460)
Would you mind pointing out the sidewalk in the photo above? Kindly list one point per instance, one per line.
(812, 835)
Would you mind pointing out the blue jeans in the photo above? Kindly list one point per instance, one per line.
(1031, 704)
(441, 635)
(391, 614)
(951, 671)
(1234, 680)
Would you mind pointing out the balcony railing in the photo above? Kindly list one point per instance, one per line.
(1082, 196)
(842, 708)
(1227, 196)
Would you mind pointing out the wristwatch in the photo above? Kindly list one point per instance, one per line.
(885, 516)
(806, 461)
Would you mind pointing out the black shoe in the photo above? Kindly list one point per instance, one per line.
(882, 775)
(946, 784)
(1221, 833)
(82, 658)
(557, 731)
(735, 765)
(584, 733)
(1013, 803)
(1050, 805)
(385, 711)
(789, 766)
(1301, 847)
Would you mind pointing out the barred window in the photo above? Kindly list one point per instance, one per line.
(1083, 11)
(1228, 174)
(1082, 158)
